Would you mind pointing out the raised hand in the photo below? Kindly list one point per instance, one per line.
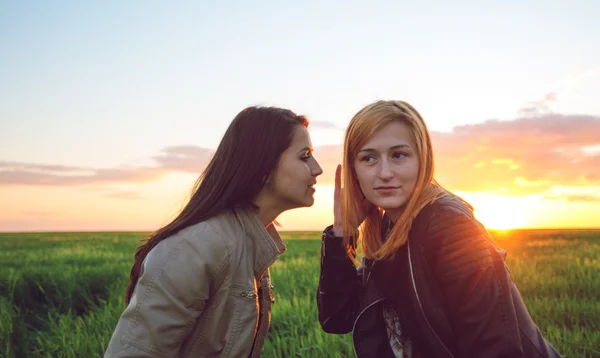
(337, 203)
(361, 207)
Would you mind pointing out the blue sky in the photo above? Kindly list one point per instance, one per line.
(112, 83)
(118, 80)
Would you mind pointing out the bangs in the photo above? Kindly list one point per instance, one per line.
(366, 125)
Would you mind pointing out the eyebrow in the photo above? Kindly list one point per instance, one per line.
(309, 149)
(399, 146)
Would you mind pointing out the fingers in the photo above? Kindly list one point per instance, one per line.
(337, 192)
(337, 201)
(338, 178)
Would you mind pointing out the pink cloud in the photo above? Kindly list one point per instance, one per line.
(522, 156)
(124, 194)
(189, 159)
(36, 174)
(322, 125)
(186, 158)
(540, 106)
(527, 155)
(38, 213)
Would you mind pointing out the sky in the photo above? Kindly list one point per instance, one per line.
(109, 110)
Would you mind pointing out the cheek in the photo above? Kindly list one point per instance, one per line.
(299, 168)
(416, 171)
(293, 173)
(362, 177)
(412, 174)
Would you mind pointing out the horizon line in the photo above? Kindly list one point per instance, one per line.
(281, 231)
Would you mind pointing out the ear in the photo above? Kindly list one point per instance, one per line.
(267, 179)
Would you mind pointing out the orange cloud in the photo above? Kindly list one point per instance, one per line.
(574, 198)
(529, 155)
(524, 156)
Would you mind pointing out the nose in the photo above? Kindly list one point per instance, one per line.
(316, 168)
(384, 170)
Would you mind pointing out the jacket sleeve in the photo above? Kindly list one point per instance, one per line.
(169, 296)
(339, 286)
(476, 289)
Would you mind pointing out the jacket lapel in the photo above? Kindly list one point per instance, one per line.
(266, 242)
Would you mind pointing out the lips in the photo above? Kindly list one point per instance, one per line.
(387, 187)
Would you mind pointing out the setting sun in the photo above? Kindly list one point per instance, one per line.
(499, 212)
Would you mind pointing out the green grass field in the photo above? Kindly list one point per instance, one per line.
(62, 293)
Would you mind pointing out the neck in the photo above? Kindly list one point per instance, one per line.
(268, 211)
(394, 214)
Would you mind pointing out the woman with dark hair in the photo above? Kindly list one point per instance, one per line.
(200, 285)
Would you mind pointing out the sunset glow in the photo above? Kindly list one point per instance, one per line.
(501, 213)
(107, 119)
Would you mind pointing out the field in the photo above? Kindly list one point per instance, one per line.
(62, 293)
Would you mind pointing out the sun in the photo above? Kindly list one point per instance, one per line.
(499, 223)
(499, 212)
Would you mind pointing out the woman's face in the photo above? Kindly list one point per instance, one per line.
(387, 168)
(292, 183)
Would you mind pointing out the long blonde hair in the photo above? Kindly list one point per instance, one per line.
(361, 128)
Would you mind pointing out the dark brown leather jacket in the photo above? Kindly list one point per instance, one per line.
(449, 285)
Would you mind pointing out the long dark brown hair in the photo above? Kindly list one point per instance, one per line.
(248, 152)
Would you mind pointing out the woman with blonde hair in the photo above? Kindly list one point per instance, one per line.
(431, 282)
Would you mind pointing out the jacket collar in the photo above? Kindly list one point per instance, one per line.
(268, 245)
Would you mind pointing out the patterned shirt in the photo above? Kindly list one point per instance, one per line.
(399, 341)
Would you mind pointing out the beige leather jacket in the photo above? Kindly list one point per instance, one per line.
(204, 292)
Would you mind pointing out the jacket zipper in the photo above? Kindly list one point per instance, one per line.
(360, 314)
(412, 276)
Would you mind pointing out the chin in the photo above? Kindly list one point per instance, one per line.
(309, 202)
(302, 203)
(386, 205)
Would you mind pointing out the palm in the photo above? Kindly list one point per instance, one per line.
(360, 210)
